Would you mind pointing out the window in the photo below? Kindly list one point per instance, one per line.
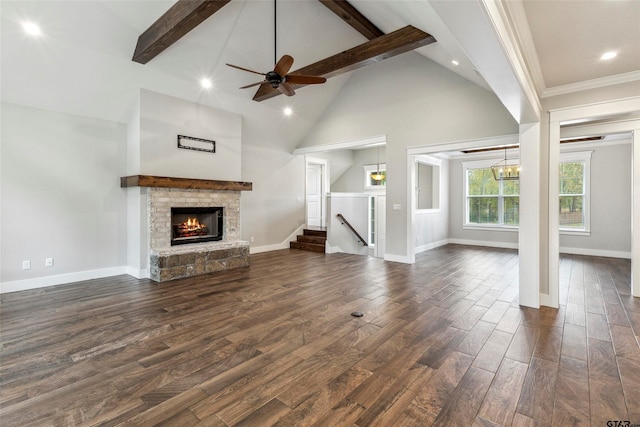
(496, 204)
(574, 191)
(490, 202)
(369, 182)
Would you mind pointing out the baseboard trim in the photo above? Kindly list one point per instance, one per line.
(43, 282)
(138, 274)
(277, 246)
(545, 300)
(429, 246)
(397, 258)
(596, 252)
(502, 245)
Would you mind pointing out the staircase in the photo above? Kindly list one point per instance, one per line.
(313, 239)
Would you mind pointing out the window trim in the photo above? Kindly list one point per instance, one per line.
(482, 164)
(580, 156)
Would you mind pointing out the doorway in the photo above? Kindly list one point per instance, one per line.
(316, 188)
(608, 117)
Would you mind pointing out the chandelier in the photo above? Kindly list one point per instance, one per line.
(506, 170)
(378, 175)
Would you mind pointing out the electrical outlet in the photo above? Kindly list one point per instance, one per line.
(252, 239)
(26, 265)
(48, 262)
(397, 206)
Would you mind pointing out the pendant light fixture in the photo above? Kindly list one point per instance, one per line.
(378, 175)
(505, 171)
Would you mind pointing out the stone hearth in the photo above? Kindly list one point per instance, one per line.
(193, 261)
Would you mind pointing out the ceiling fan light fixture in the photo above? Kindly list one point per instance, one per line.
(279, 78)
(206, 83)
(287, 111)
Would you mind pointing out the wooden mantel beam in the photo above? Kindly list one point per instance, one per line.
(351, 16)
(185, 183)
(376, 50)
(181, 18)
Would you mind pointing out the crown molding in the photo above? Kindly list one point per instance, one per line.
(520, 23)
(591, 84)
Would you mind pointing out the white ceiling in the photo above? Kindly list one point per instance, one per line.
(564, 39)
(82, 63)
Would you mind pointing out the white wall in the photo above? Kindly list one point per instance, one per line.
(339, 162)
(275, 208)
(610, 204)
(163, 118)
(425, 105)
(352, 180)
(61, 196)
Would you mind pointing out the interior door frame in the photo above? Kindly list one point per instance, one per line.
(325, 184)
(611, 111)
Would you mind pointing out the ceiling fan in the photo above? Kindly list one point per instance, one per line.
(278, 78)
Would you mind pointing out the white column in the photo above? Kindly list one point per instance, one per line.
(530, 213)
(551, 298)
(635, 217)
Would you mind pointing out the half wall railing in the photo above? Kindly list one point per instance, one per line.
(344, 221)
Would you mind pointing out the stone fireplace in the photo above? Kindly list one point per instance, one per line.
(220, 200)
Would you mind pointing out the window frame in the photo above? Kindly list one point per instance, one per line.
(584, 157)
(500, 226)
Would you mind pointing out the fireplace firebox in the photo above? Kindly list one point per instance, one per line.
(196, 225)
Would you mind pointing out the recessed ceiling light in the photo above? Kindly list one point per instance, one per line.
(454, 62)
(31, 28)
(608, 55)
(288, 111)
(206, 83)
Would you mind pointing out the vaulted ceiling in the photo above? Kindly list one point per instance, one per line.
(82, 63)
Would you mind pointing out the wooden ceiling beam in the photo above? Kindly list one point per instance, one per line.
(181, 18)
(351, 16)
(376, 50)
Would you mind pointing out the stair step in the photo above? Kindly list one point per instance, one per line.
(311, 232)
(313, 247)
(311, 239)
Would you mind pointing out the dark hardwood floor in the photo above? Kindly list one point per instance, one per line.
(442, 342)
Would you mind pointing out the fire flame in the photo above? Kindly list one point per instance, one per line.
(190, 228)
(193, 224)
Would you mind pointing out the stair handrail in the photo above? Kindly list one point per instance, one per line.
(344, 221)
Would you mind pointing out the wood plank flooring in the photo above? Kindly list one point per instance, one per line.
(442, 342)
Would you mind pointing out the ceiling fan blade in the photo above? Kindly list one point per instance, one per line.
(253, 84)
(286, 89)
(245, 69)
(304, 80)
(284, 65)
